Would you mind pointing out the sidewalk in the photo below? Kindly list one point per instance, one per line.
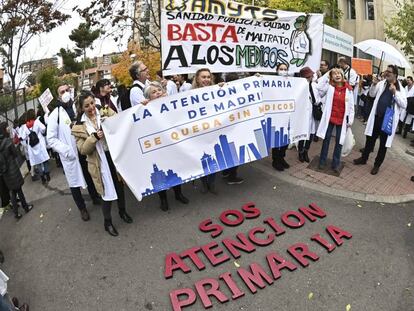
(391, 185)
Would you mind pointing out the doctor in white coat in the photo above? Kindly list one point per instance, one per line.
(338, 113)
(387, 93)
(60, 138)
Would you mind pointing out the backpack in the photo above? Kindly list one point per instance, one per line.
(124, 94)
(33, 139)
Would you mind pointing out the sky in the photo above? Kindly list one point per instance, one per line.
(48, 45)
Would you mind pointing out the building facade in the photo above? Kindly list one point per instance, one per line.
(145, 30)
(36, 66)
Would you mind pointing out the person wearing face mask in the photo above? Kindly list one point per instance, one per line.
(60, 138)
(10, 171)
(338, 114)
(387, 93)
(278, 154)
(153, 91)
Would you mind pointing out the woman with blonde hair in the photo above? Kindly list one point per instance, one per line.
(203, 77)
(153, 91)
(338, 114)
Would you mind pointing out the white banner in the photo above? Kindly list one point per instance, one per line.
(192, 40)
(337, 41)
(176, 139)
(45, 99)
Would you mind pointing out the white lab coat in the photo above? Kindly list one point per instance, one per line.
(171, 88)
(300, 44)
(37, 154)
(327, 109)
(185, 87)
(400, 103)
(403, 112)
(61, 140)
(313, 124)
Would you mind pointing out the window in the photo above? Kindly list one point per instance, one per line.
(369, 10)
(351, 9)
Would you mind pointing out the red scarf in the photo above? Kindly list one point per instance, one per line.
(30, 123)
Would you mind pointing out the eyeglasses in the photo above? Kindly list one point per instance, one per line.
(143, 70)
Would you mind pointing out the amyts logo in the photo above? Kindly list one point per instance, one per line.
(176, 5)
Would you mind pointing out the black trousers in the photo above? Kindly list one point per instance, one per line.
(279, 153)
(89, 182)
(163, 193)
(119, 188)
(4, 193)
(77, 197)
(370, 142)
(14, 194)
(304, 145)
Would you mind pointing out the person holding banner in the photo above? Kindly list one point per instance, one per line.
(407, 115)
(203, 77)
(182, 81)
(389, 97)
(338, 114)
(140, 74)
(153, 91)
(278, 154)
(304, 145)
(91, 142)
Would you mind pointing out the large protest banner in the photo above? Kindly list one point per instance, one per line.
(227, 36)
(176, 139)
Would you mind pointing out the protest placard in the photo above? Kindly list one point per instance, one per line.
(183, 137)
(203, 38)
(45, 99)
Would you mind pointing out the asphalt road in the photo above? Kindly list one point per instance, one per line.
(57, 262)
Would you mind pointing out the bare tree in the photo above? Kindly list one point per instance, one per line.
(20, 21)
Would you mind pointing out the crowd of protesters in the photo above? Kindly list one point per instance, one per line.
(72, 134)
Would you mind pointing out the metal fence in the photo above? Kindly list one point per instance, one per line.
(22, 106)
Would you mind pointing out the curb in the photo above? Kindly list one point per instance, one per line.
(391, 199)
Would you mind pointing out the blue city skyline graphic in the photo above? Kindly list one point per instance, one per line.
(226, 155)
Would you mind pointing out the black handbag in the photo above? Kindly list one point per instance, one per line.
(316, 107)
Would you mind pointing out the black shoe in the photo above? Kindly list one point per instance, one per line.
(96, 201)
(28, 208)
(375, 170)
(284, 163)
(125, 217)
(278, 166)
(362, 150)
(336, 170)
(109, 227)
(235, 181)
(225, 174)
(164, 205)
(180, 197)
(1, 257)
(321, 166)
(15, 302)
(360, 161)
(43, 180)
(35, 178)
(47, 177)
(301, 157)
(315, 139)
(306, 157)
(412, 178)
(18, 216)
(84, 214)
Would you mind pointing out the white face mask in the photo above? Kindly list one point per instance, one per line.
(66, 97)
(282, 72)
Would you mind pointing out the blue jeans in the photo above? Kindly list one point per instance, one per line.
(5, 304)
(325, 146)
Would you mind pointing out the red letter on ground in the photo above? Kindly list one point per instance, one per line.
(299, 251)
(260, 242)
(177, 304)
(312, 211)
(192, 253)
(213, 290)
(290, 223)
(250, 210)
(329, 247)
(337, 234)
(236, 292)
(277, 263)
(211, 254)
(255, 277)
(232, 223)
(174, 262)
(233, 245)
